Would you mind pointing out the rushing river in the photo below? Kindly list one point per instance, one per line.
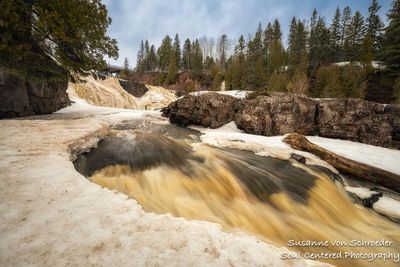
(167, 170)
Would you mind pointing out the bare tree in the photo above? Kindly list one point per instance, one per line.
(211, 46)
(203, 44)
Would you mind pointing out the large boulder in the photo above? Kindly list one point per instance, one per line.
(277, 114)
(209, 110)
(360, 121)
(22, 97)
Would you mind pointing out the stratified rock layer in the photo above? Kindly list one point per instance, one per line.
(278, 114)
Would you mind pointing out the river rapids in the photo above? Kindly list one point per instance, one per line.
(167, 170)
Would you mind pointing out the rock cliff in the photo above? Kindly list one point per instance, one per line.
(350, 119)
(22, 97)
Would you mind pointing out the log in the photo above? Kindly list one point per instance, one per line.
(345, 165)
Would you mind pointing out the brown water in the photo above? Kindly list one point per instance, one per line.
(266, 197)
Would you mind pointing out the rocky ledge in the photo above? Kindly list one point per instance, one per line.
(42, 93)
(209, 110)
(350, 119)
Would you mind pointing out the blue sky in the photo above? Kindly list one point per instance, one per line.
(134, 20)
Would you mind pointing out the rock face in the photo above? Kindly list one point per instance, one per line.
(134, 88)
(20, 97)
(360, 121)
(209, 110)
(278, 114)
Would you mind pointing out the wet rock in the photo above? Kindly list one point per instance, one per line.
(209, 110)
(277, 114)
(134, 88)
(22, 97)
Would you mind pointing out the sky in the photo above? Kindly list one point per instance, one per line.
(136, 20)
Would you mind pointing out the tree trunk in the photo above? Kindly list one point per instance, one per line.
(344, 165)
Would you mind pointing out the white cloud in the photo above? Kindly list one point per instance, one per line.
(135, 20)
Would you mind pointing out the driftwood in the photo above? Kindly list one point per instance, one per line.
(344, 165)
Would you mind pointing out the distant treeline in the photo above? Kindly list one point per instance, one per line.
(263, 63)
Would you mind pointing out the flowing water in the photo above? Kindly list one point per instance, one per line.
(278, 201)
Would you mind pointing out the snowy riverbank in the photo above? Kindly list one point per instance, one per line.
(52, 216)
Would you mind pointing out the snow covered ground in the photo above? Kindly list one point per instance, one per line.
(52, 216)
(380, 157)
(235, 93)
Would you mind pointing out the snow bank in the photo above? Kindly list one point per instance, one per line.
(230, 136)
(235, 93)
(388, 206)
(53, 216)
(384, 158)
(229, 128)
(272, 146)
(361, 192)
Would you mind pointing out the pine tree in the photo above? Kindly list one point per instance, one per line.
(257, 42)
(323, 42)
(255, 61)
(292, 42)
(164, 53)
(237, 67)
(345, 32)
(318, 41)
(223, 50)
(197, 58)
(125, 72)
(313, 39)
(276, 30)
(240, 47)
(335, 37)
(146, 62)
(375, 27)
(140, 58)
(367, 54)
(152, 59)
(297, 48)
(30, 30)
(209, 63)
(276, 52)
(391, 44)
(268, 36)
(186, 55)
(177, 50)
(301, 47)
(356, 37)
(172, 74)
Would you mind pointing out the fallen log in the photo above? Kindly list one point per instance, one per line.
(345, 165)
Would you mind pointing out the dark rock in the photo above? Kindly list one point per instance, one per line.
(134, 88)
(298, 158)
(350, 119)
(360, 121)
(21, 97)
(277, 114)
(209, 110)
